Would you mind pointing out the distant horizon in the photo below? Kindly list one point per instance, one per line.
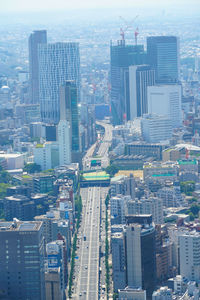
(16, 6)
(93, 14)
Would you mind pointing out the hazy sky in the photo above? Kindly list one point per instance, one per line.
(38, 5)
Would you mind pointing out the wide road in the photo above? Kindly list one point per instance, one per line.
(105, 144)
(102, 152)
(87, 264)
(103, 149)
(89, 274)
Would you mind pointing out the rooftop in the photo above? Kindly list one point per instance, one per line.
(187, 162)
(96, 176)
(17, 225)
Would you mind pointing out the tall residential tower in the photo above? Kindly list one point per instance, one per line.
(36, 38)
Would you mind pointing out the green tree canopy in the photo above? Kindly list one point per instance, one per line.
(187, 187)
(32, 168)
(112, 170)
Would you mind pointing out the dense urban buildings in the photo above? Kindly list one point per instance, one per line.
(100, 158)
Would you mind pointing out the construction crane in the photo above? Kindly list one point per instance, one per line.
(136, 35)
(128, 25)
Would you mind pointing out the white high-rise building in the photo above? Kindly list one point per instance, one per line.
(152, 205)
(165, 100)
(57, 63)
(46, 155)
(156, 128)
(64, 142)
(189, 247)
(118, 207)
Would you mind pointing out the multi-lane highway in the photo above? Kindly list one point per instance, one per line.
(103, 149)
(88, 156)
(102, 153)
(88, 266)
(89, 275)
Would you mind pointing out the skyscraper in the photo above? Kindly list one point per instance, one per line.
(163, 56)
(139, 78)
(36, 38)
(122, 56)
(69, 114)
(22, 260)
(118, 261)
(140, 253)
(57, 63)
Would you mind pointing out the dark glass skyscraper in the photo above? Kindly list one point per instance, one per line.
(122, 56)
(69, 112)
(140, 252)
(36, 38)
(163, 56)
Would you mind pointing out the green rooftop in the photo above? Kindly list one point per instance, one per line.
(96, 176)
(187, 162)
(39, 146)
(165, 174)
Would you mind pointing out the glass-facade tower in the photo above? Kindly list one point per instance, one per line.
(121, 57)
(69, 99)
(57, 63)
(163, 56)
(35, 38)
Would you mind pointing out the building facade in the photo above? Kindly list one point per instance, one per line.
(57, 63)
(22, 260)
(166, 100)
(122, 56)
(36, 38)
(140, 253)
(139, 78)
(155, 128)
(189, 247)
(70, 114)
(163, 56)
(118, 261)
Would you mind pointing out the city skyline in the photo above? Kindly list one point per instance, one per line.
(100, 150)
